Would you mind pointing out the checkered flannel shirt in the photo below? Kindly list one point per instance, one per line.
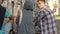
(46, 19)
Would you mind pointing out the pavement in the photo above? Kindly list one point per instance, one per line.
(58, 18)
(58, 25)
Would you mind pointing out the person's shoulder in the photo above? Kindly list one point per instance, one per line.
(48, 12)
(3, 8)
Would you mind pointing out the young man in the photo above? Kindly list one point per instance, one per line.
(46, 19)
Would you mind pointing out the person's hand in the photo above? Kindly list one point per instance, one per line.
(11, 19)
(6, 20)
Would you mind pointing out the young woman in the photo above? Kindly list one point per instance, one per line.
(5, 26)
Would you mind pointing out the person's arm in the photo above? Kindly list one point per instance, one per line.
(7, 15)
(35, 20)
(18, 16)
(7, 26)
(39, 17)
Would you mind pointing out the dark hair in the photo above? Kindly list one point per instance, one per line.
(2, 1)
(12, 2)
(41, 0)
(28, 5)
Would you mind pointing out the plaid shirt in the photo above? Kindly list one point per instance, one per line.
(46, 20)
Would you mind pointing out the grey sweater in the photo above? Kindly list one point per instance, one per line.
(26, 26)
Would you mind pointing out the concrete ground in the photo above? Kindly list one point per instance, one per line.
(58, 25)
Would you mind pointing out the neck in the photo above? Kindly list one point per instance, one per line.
(42, 6)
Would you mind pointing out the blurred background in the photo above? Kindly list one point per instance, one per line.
(15, 5)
